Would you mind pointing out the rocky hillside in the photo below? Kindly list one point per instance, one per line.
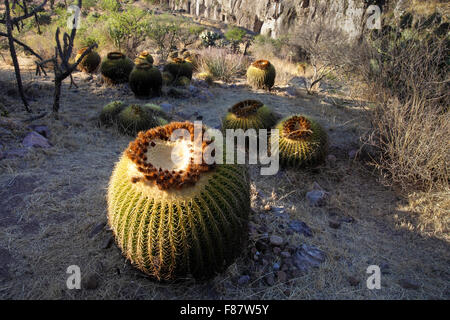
(278, 17)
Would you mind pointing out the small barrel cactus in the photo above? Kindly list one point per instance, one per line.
(172, 217)
(109, 112)
(135, 118)
(145, 80)
(183, 81)
(249, 114)
(90, 62)
(167, 78)
(261, 75)
(302, 141)
(116, 68)
(179, 67)
(145, 56)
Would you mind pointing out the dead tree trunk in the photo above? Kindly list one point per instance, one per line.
(12, 51)
(61, 66)
(9, 23)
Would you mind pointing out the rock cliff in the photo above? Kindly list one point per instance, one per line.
(276, 18)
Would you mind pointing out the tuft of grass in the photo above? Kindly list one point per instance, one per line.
(221, 64)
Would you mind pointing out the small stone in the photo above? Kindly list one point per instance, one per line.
(407, 284)
(97, 229)
(331, 159)
(193, 89)
(353, 281)
(166, 107)
(285, 254)
(276, 266)
(334, 224)
(282, 276)
(91, 282)
(316, 198)
(108, 243)
(270, 279)
(276, 240)
(276, 250)
(34, 139)
(352, 154)
(292, 91)
(300, 227)
(348, 219)
(243, 280)
(41, 129)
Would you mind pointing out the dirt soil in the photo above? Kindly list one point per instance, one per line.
(53, 207)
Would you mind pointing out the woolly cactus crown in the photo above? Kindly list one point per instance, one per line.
(246, 108)
(151, 153)
(261, 64)
(115, 55)
(297, 128)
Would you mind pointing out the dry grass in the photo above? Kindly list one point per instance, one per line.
(67, 200)
(221, 64)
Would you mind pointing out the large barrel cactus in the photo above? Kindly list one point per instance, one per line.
(302, 141)
(116, 68)
(249, 114)
(145, 80)
(179, 67)
(174, 218)
(261, 75)
(90, 62)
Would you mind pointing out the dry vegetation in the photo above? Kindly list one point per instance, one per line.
(396, 192)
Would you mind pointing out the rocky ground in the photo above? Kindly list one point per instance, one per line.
(312, 235)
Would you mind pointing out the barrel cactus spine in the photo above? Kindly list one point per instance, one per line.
(302, 141)
(135, 118)
(116, 68)
(179, 67)
(261, 75)
(175, 219)
(110, 111)
(90, 62)
(249, 114)
(145, 80)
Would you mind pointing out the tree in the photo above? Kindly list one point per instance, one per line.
(11, 22)
(325, 47)
(60, 61)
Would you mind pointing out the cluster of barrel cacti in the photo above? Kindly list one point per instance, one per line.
(179, 69)
(131, 119)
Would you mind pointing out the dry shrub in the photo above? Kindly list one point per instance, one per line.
(221, 64)
(413, 140)
(408, 75)
(326, 48)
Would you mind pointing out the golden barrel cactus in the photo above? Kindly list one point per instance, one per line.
(90, 62)
(179, 67)
(110, 111)
(302, 141)
(249, 114)
(261, 75)
(145, 56)
(135, 118)
(145, 80)
(172, 217)
(116, 68)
